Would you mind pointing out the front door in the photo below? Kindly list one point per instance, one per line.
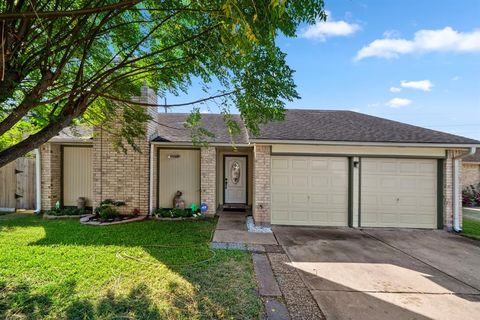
(235, 179)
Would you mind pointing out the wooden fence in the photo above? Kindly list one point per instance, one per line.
(17, 184)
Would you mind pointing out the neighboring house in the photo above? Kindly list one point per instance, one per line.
(316, 168)
(471, 170)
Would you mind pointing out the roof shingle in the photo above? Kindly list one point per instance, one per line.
(349, 126)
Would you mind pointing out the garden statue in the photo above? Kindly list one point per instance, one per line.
(177, 201)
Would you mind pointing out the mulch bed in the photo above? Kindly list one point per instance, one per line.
(95, 221)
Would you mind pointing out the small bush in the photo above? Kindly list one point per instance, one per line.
(109, 213)
(108, 209)
(68, 211)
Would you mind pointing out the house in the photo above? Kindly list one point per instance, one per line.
(471, 170)
(316, 168)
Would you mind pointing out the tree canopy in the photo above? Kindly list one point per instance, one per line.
(79, 62)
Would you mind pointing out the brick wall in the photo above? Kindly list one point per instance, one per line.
(261, 184)
(124, 176)
(470, 174)
(50, 175)
(208, 158)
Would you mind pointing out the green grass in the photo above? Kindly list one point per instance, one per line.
(62, 269)
(471, 228)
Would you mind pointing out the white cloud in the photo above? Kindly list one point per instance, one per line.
(441, 40)
(456, 78)
(395, 89)
(425, 85)
(322, 30)
(398, 102)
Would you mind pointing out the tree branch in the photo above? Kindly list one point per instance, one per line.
(72, 13)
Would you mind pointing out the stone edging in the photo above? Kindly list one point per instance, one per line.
(85, 220)
(52, 217)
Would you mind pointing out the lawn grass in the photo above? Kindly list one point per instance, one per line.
(62, 269)
(471, 228)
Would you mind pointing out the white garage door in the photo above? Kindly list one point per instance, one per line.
(309, 190)
(398, 193)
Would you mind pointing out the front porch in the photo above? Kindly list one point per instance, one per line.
(222, 177)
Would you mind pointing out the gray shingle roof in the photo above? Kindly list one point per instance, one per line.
(473, 158)
(349, 126)
(171, 128)
(74, 134)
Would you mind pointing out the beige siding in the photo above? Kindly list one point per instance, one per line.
(77, 175)
(309, 190)
(398, 193)
(359, 150)
(179, 173)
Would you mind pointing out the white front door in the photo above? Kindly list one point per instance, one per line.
(235, 179)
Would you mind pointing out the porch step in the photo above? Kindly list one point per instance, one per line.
(235, 207)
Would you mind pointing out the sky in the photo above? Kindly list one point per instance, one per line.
(416, 62)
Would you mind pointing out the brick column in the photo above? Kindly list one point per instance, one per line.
(208, 184)
(261, 185)
(448, 190)
(50, 175)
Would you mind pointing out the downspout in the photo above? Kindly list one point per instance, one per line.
(456, 188)
(151, 195)
(38, 182)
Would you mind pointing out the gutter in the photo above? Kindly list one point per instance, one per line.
(38, 182)
(456, 188)
(358, 143)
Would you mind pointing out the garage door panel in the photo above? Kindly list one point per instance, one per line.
(300, 181)
(398, 193)
(279, 164)
(316, 164)
(299, 164)
(280, 180)
(318, 181)
(317, 189)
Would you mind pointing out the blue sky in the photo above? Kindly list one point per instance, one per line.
(412, 61)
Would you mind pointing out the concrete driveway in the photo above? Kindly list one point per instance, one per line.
(386, 274)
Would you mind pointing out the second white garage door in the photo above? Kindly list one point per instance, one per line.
(398, 193)
(309, 190)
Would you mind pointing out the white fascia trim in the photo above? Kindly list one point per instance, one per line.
(189, 144)
(379, 144)
(70, 141)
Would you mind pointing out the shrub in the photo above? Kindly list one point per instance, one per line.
(109, 212)
(68, 211)
(108, 209)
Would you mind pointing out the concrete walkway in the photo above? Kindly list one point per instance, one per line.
(281, 289)
(231, 228)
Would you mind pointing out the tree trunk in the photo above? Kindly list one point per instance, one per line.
(34, 141)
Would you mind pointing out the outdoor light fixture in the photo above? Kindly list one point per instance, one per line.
(355, 164)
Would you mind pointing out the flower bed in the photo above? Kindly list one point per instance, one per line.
(95, 220)
(65, 213)
(177, 214)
